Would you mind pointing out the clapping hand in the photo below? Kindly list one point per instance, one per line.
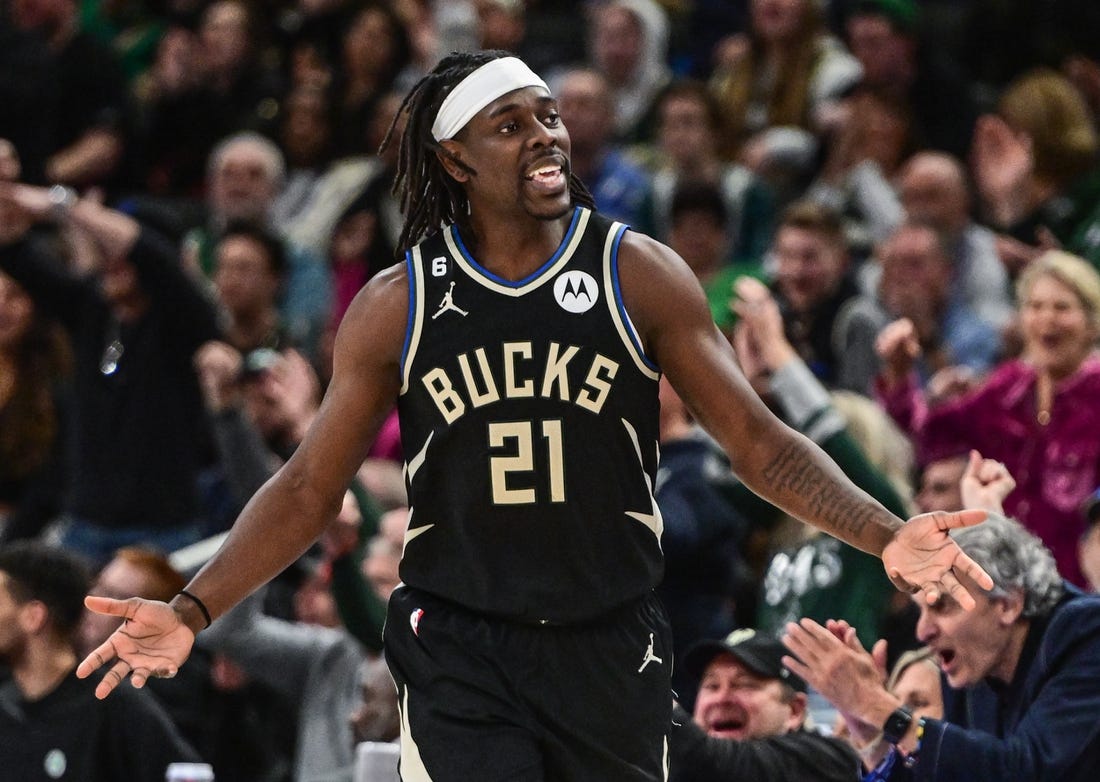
(831, 659)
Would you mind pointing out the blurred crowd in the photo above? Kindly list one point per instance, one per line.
(893, 207)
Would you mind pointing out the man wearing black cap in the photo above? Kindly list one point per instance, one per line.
(749, 720)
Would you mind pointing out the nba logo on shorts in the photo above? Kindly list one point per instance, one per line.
(414, 621)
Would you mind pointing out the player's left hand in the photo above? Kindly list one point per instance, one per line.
(922, 557)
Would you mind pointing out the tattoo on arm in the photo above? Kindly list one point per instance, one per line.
(827, 503)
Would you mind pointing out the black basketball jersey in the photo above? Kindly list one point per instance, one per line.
(529, 421)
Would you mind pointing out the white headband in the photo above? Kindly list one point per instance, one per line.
(478, 90)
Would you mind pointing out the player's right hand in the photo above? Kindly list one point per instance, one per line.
(151, 641)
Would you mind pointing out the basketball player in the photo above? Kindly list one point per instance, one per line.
(523, 338)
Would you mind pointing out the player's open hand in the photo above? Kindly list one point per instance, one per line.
(152, 641)
(923, 557)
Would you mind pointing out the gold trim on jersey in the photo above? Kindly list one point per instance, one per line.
(654, 520)
(413, 534)
(627, 333)
(415, 463)
(542, 278)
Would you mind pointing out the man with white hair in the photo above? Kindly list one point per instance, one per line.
(245, 174)
(1022, 671)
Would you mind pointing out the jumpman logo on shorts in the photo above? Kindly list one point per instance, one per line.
(650, 657)
(448, 303)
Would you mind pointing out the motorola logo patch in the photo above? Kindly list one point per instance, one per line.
(576, 291)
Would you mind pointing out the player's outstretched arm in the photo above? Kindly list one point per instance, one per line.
(669, 310)
(291, 510)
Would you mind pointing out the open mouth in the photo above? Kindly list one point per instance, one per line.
(727, 726)
(548, 176)
(946, 657)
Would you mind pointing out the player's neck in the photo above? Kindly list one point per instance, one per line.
(515, 248)
(42, 668)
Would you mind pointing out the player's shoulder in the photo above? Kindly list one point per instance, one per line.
(385, 294)
(658, 286)
(645, 262)
(378, 314)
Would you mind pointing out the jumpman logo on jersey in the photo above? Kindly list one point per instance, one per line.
(448, 303)
(650, 657)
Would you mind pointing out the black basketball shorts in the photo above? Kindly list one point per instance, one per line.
(488, 700)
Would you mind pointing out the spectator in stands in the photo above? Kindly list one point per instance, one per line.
(1036, 414)
(319, 185)
(777, 86)
(246, 173)
(619, 186)
(916, 283)
(134, 322)
(377, 718)
(35, 360)
(829, 322)
(131, 30)
(250, 265)
(870, 137)
(374, 50)
(750, 719)
(1035, 166)
(85, 131)
(933, 189)
(629, 46)
(241, 88)
(169, 96)
(316, 668)
(383, 554)
(884, 35)
(939, 484)
(502, 24)
(51, 724)
(697, 233)
(1022, 668)
(689, 132)
(306, 137)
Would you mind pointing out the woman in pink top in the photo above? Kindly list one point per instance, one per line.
(1039, 414)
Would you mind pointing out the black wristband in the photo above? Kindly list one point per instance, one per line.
(200, 604)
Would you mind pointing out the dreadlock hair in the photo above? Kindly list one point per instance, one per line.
(428, 196)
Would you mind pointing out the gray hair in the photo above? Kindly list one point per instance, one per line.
(1016, 560)
(276, 166)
